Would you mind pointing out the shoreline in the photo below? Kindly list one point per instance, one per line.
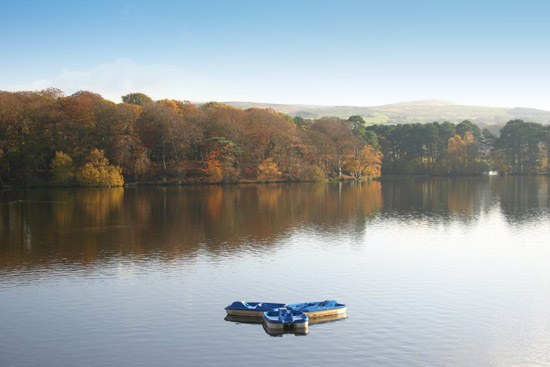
(332, 180)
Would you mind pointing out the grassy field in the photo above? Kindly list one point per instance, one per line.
(376, 118)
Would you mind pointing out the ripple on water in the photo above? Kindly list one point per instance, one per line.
(438, 280)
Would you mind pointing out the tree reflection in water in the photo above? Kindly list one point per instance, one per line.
(82, 226)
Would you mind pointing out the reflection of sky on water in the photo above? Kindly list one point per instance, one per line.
(434, 272)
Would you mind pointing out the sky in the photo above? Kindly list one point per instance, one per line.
(361, 53)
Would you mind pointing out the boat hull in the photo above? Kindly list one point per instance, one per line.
(326, 313)
(314, 310)
(281, 332)
(260, 320)
(251, 309)
(286, 320)
(274, 325)
(245, 313)
(331, 318)
(297, 327)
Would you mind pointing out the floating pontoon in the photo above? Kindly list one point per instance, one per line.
(284, 319)
(252, 309)
(319, 309)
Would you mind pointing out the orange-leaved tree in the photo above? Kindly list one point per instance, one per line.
(268, 170)
(462, 154)
(370, 162)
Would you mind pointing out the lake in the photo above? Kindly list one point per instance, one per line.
(435, 272)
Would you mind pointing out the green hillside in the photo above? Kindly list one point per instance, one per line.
(411, 112)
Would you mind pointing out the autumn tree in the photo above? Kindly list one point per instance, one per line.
(213, 169)
(62, 170)
(98, 172)
(25, 135)
(75, 128)
(115, 132)
(267, 135)
(314, 173)
(222, 164)
(462, 153)
(141, 164)
(370, 162)
(166, 132)
(341, 141)
(268, 170)
(367, 163)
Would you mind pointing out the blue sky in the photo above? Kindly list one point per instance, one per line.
(305, 52)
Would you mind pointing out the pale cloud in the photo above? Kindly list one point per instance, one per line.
(115, 79)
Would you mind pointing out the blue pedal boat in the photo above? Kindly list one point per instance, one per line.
(251, 309)
(282, 319)
(328, 308)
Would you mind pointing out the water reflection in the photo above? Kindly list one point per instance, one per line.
(446, 272)
(523, 198)
(79, 227)
(273, 332)
(441, 198)
(464, 198)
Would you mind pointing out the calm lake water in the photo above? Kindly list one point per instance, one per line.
(435, 272)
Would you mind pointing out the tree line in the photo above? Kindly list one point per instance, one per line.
(521, 148)
(47, 138)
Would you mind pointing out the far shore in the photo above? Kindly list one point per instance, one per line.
(174, 183)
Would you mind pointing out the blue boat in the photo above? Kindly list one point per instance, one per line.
(252, 309)
(320, 309)
(282, 319)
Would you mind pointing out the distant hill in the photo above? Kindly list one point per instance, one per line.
(289, 109)
(411, 112)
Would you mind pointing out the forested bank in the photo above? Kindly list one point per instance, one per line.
(50, 139)
(83, 139)
(522, 148)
